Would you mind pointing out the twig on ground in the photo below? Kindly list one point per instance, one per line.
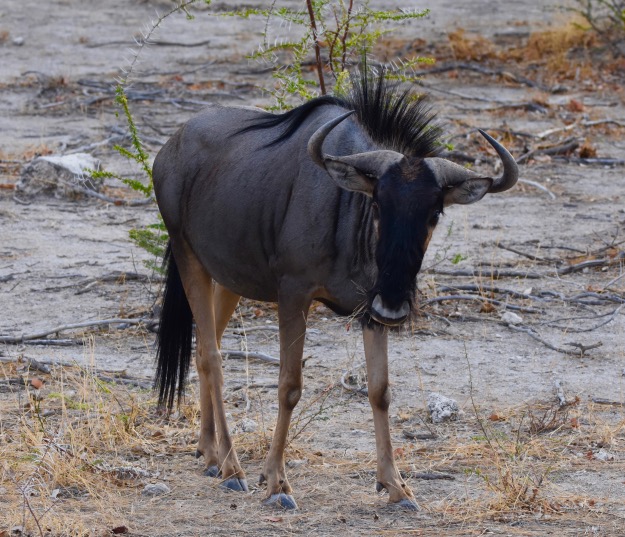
(581, 349)
(481, 299)
(12, 340)
(602, 401)
(454, 66)
(266, 328)
(104, 197)
(486, 289)
(583, 265)
(538, 186)
(429, 476)
(575, 125)
(519, 252)
(612, 282)
(562, 148)
(612, 316)
(592, 161)
(493, 274)
(251, 355)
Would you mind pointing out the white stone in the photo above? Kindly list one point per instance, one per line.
(511, 318)
(294, 463)
(59, 176)
(76, 163)
(155, 489)
(442, 408)
(604, 455)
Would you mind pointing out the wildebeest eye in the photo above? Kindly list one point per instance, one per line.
(435, 218)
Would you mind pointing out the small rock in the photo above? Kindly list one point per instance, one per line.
(56, 175)
(246, 425)
(511, 318)
(442, 408)
(130, 472)
(604, 455)
(294, 463)
(155, 489)
(18, 41)
(68, 492)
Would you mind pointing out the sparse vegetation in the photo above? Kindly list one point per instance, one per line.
(606, 18)
(337, 34)
(76, 453)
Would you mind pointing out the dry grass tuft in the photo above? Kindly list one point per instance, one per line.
(471, 48)
(77, 453)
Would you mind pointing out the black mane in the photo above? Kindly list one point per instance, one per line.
(397, 119)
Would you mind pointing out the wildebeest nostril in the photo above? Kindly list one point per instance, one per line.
(387, 315)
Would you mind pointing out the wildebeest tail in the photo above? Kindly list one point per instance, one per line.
(174, 337)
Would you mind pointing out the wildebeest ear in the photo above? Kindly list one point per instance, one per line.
(469, 191)
(350, 178)
(361, 171)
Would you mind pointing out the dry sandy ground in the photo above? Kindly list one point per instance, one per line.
(59, 62)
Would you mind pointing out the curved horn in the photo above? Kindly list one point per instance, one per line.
(449, 173)
(316, 140)
(510, 173)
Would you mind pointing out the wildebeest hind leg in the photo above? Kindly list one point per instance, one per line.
(388, 477)
(225, 303)
(292, 314)
(215, 442)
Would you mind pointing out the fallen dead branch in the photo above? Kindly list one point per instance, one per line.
(592, 161)
(562, 148)
(151, 43)
(457, 66)
(108, 199)
(612, 315)
(494, 274)
(251, 356)
(487, 289)
(580, 348)
(538, 186)
(117, 276)
(493, 301)
(519, 252)
(602, 401)
(12, 340)
(577, 124)
(583, 265)
(429, 476)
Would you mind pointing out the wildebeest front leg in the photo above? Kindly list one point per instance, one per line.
(292, 313)
(388, 477)
(220, 456)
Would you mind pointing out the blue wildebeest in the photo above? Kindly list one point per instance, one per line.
(333, 201)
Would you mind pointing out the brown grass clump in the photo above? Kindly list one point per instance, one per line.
(76, 453)
(562, 52)
(471, 48)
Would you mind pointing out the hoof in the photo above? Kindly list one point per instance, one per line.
(212, 471)
(408, 504)
(234, 483)
(285, 501)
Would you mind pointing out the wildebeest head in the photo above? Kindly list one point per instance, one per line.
(408, 196)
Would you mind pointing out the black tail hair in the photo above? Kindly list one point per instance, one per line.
(174, 337)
